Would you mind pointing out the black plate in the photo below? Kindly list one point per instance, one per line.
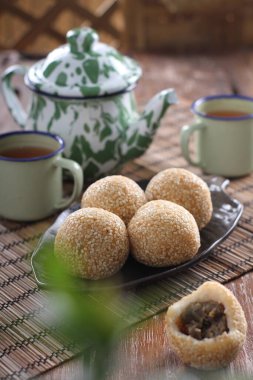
(226, 214)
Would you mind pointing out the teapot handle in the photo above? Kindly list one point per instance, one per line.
(13, 103)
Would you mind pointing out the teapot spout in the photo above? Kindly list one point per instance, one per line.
(142, 130)
(156, 108)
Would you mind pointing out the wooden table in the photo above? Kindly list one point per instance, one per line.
(145, 352)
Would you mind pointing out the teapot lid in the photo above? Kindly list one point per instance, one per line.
(84, 67)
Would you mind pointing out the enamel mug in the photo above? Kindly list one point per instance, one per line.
(31, 184)
(223, 131)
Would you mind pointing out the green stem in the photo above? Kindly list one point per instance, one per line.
(97, 363)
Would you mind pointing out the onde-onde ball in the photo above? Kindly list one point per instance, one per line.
(92, 243)
(184, 188)
(117, 194)
(163, 233)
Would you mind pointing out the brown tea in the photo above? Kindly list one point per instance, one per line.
(25, 152)
(227, 113)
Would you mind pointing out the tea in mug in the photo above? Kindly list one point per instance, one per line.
(227, 113)
(223, 135)
(25, 152)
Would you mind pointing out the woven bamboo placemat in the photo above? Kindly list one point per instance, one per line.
(29, 345)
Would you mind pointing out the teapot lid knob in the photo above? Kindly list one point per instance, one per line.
(81, 39)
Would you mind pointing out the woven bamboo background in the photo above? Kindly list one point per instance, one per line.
(37, 27)
(29, 345)
(183, 25)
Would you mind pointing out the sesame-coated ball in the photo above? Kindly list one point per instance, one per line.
(184, 188)
(214, 352)
(92, 243)
(163, 233)
(116, 193)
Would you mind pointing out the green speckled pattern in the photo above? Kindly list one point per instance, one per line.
(84, 67)
(75, 95)
(107, 133)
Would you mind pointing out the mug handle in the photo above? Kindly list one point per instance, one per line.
(186, 132)
(13, 103)
(77, 173)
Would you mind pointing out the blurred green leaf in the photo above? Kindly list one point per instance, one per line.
(86, 320)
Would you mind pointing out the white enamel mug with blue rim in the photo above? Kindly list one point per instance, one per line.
(223, 145)
(32, 188)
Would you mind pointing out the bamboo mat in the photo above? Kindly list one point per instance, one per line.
(29, 345)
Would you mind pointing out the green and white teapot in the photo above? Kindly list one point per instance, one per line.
(83, 91)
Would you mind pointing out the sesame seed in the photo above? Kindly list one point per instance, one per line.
(209, 353)
(163, 233)
(92, 243)
(184, 188)
(117, 194)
